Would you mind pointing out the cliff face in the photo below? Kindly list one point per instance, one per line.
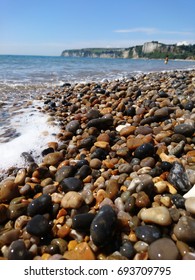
(147, 50)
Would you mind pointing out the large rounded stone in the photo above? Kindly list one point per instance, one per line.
(38, 225)
(163, 249)
(145, 150)
(103, 226)
(185, 229)
(40, 205)
(159, 215)
(71, 184)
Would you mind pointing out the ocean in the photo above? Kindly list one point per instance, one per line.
(23, 128)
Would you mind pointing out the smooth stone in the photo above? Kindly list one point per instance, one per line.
(71, 184)
(72, 126)
(40, 205)
(3, 213)
(162, 112)
(82, 251)
(190, 193)
(8, 237)
(72, 199)
(159, 215)
(185, 229)
(125, 168)
(184, 129)
(103, 226)
(87, 142)
(112, 188)
(18, 251)
(61, 243)
(95, 163)
(190, 205)
(83, 172)
(82, 222)
(17, 210)
(144, 130)
(20, 177)
(64, 172)
(53, 158)
(178, 177)
(127, 130)
(38, 225)
(127, 250)
(100, 123)
(148, 233)
(143, 151)
(8, 190)
(163, 249)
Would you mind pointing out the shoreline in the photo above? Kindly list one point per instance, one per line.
(125, 150)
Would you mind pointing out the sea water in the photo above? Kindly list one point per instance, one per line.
(23, 79)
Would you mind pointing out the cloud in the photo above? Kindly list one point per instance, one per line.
(138, 30)
(151, 30)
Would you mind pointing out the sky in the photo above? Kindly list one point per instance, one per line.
(47, 27)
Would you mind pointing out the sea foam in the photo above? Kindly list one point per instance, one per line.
(34, 133)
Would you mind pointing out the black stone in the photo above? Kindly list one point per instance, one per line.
(40, 205)
(100, 123)
(184, 129)
(144, 150)
(99, 153)
(87, 142)
(83, 172)
(148, 233)
(127, 250)
(47, 151)
(18, 251)
(166, 166)
(71, 184)
(178, 178)
(103, 226)
(38, 226)
(130, 112)
(82, 222)
(163, 94)
(178, 200)
(64, 172)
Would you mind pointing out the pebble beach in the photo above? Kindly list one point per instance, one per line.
(119, 181)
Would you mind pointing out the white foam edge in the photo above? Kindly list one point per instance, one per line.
(35, 132)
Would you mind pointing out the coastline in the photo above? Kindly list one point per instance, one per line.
(123, 143)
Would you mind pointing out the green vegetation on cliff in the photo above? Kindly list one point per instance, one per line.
(152, 49)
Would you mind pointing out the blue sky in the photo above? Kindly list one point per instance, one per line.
(47, 27)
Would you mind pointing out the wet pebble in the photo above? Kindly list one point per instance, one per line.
(185, 229)
(148, 233)
(38, 225)
(18, 251)
(127, 250)
(143, 151)
(72, 199)
(158, 215)
(190, 204)
(40, 205)
(82, 222)
(103, 226)
(163, 249)
(71, 184)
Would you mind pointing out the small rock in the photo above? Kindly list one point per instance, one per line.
(158, 215)
(163, 249)
(185, 229)
(72, 199)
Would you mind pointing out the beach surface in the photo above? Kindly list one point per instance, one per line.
(118, 180)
